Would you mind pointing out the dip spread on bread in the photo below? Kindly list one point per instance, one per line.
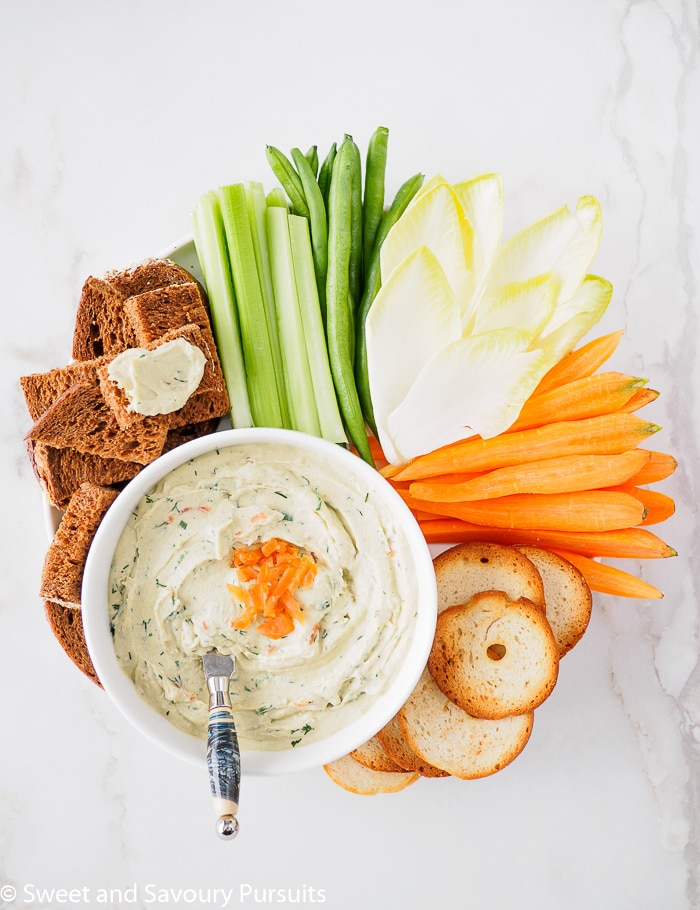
(178, 589)
(158, 381)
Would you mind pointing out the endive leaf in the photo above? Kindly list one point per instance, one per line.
(482, 203)
(528, 305)
(414, 316)
(475, 385)
(428, 185)
(575, 317)
(437, 222)
(563, 242)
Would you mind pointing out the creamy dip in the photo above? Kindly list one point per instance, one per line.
(158, 381)
(171, 605)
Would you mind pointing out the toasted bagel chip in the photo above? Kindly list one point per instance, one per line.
(466, 569)
(494, 657)
(372, 754)
(351, 775)
(568, 599)
(395, 745)
(444, 735)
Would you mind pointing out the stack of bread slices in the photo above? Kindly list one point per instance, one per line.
(85, 442)
(506, 617)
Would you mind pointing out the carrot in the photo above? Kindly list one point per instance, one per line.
(375, 449)
(660, 466)
(277, 626)
(609, 579)
(585, 510)
(658, 506)
(582, 362)
(628, 543)
(640, 398)
(607, 434)
(565, 474)
(272, 573)
(600, 393)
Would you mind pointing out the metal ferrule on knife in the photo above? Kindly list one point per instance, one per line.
(218, 692)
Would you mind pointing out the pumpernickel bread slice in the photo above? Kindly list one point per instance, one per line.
(42, 389)
(349, 774)
(67, 626)
(101, 326)
(444, 735)
(568, 598)
(466, 569)
(148, 275)
(494, 657)
(81, 419)
(62, 575)
(153, 313)
(61, 471)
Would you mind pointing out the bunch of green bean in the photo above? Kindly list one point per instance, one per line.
(348, 224)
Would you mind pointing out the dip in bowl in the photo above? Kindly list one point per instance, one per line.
(174, 571)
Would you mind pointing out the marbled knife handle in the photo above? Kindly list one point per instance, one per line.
(224, 763)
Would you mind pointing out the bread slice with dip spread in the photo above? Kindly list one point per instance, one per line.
(83, 430)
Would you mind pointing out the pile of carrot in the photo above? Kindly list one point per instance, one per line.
(570, 475)
(268, 576)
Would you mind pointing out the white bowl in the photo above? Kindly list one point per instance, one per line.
(121, 690)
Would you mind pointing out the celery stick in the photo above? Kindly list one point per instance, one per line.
(210, 243)
(297, 375)
(255, 336)
(276, 197)
(329, 418)
(255, 196)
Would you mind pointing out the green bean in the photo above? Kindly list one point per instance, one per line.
(356, 225)
(283, 169)
(339, 313)
(373, 281)
(373, 205)
(317, 223)
(324, 175)
(312, 157)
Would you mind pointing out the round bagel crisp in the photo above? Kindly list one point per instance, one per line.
(494, 657)
(372, 754)
(351, 775)
(466, 569)
(444, 735)
(568, 599)
(395, 745)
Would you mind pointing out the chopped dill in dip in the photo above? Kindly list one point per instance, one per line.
(173, 575)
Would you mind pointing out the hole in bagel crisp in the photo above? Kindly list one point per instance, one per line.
(496, 652)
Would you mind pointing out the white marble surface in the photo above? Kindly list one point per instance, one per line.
(114, 117)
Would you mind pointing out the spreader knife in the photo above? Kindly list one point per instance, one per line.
(223, 754)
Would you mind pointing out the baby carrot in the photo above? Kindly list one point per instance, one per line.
(639, 399)
(610, 579)
(659, 466)
(565, 474)
(658, 505)
(582, 362)
(601, 393)
(587, 510)
(628, 543)
(606, 434)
